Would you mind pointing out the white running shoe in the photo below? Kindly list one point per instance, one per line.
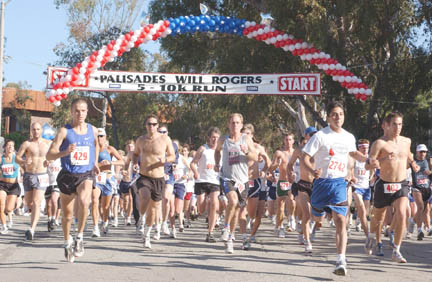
(411, 225)
(156, 236)
(78, 247)
(96, 233)
(165, 229)
(147, 243)
(105, 228)
(301, 239)
(10, 223)
(174, 233)
(341, 268)
(252, 239)
(225, 234)
(281, 233)
(273, 219)
(308, 247)
(229, 247)
(369, 246)
(246, 244)
(128, 221)
(4, 230)
(397, 257)
(69, 250)
(114, 223)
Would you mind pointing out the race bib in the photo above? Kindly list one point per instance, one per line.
(7, 169)
(251, 183)
(285, 186)
(233, 156)
(240, 187)
(422, 181)
(101, 178)
(336, 167)
(210, 166)
(43, 180)
(390, 188)
(177, 176)
(361, 172)
(80, 156)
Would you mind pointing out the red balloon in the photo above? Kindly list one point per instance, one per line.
(79, 65)
(127, 37)
(57, 97)
(63, 96)
(66, 84)
(90, 64)
(74, 77)
(150, 25)
(75, 70)
(95, 53)
(146, 29)
(110, 47)
(104, 61)
(52, 99)
(166, 23)
(294, 52)
(113, 42)
(155, 37)
(72, 83)
(357, 96)
(92, 58)
(122, 49)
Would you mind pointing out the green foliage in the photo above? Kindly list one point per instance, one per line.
(17, 137)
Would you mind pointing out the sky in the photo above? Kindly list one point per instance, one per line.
(32, 29)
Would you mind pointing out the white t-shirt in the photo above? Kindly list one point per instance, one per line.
(53, 170)
(190, 184)
(330, 151)
(362, 175)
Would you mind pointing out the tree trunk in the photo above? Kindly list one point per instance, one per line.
(114, 121)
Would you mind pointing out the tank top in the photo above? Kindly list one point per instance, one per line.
(206, 166)
(420, 178)
(104, 156)
(9, 170)
(361, 174)
(180, 171)
(234, 161)
(82, 159)
(53, 170)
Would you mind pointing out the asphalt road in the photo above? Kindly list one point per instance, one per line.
(120, 256)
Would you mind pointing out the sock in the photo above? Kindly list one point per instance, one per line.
(158, 227)
(227, 226)
(341, 257)
(147, 231)
(230, 237)
(397, 248)
(79, 236)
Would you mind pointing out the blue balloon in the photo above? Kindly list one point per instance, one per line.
(187, 29)
(48, 132)
(177, 21)
(212, 22)
(191, 23)
(172, 25)
(181, 18)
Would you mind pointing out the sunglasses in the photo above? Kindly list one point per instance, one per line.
(162, 131)
(99, 136)
(152, 124)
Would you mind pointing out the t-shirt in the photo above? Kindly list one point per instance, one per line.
(330, 151)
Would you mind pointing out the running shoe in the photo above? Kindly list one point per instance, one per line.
(229, 247)
(430, 232)
(114, 223)
(225, 234)
(96, 233)
(210, 238)
(157, 236)
(411, 225)
(147, 243)
(379, 250)
(397, 257)
(78, 247)
(4, 230)
(249, 224)
(358, 227)
(301, 239)
(368, 246)
(252, 239)
(420, 236)
(181, 228)
(69, 251)
(273, 219)
(246, 244)
(281, 233)
(10, 223)
(105, 228)
(308, 247)
(128, 221)
(165, 229)
(188, 223)
(332, 224)
(299, 227)
(51, 226)
(174, 233)
(341, 268)
(29, 235)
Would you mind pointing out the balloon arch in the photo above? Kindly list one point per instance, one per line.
(78, 75)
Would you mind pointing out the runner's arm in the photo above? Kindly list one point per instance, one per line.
(21, 151)
(218, 153)
(194, 163)
(54, 150)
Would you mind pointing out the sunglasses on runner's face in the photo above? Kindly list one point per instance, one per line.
(162, 131)
(152, 123)
(99, 136)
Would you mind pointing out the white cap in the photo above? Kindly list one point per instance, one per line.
(421, 147)
(101, 132)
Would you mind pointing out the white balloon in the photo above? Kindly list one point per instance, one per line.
(97, 65)
(273, 40)
(291, 37)
(332, 67)
(153, 31)
(84, 64)
(149, 37)
(255, 33)
(279, 37)
(168, 31)
(304, 45)
(266, 29)
(66, 91)
(359, 80)
(57, 103)
(285, 36)
(247, 24)
(134, 38)
(368, 91)
(111, 59)
(52, 92)
(99, 58)
(87, 59)
(285, 48)
(350, 90)
(327, 56)
(362, 91)
(116, 47)
(59, 91)
(68, 77)
(267, 41)
(297, 45)
(320, 66)
(355, 90)
(343, 68)
(253, 23)
(325, 67)
(81, 77)
(131, 44)
(83, 70)
(348, 79)
(291, 47)
(321, 55)
(309, 57)
(341, 78)
(335, 78)
(315, 55)
(118, 41)
(303, 57)
(338, 66)
(260, 31)
(249, 35)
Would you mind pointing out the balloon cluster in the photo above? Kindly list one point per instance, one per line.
(307, 52)
(79, 75)
(205, 23)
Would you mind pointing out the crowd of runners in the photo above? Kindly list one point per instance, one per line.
(161, 186)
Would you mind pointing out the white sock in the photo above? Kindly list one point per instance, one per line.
(147, 231)
(397, 248)
(341, 257)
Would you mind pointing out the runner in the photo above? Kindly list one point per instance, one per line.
(207, 180)
(153, 150)
(303, 189)
(125, 183)
(78, 148)
(257, 187)
(9, 188)
(362, 191)
(190, 188)
(35, 178)
(52, 193)
(105, 181)
(330, 147)
(283, 192)
(421, 189)
(391, 154)
(238, 149)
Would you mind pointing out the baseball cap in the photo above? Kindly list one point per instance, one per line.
(101, 132)
(310, 130)
(421, 147)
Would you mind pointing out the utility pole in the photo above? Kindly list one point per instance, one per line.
(430, 127)
(3, 5)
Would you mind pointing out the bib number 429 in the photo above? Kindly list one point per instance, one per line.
(80, 156)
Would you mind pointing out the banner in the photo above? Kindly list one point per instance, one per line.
(258, 84)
